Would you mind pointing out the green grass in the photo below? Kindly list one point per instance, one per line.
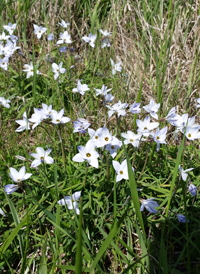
(157, 43)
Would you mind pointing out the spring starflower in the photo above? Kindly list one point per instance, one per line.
(114, 146)
(41, 156)
(4, 63)
(152, 109)
(145, 126)
(198, 101)
(192, 189)
(90, 39)
(103, 91)
(65, 37)
(181, 218)
(24, 124)
(64, 24)
(80, 125)
(135, 108)
(4, 102)
(104, 137)
(71, 201)
(10, 28)
(17, 177)
(88, 154)
(36, 117)
(118, 108)
(150, 205)
(39, 30)
(131, 138)
(57, 69)
(159, 136)
(121, 170)
(30, 70)
(192, 133)
(10, 188)
(80, 88)
(115, 67)
(184, 172)
(57, 117)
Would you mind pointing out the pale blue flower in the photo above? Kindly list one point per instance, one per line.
(181, 218)
(150, 205)
(192, 189)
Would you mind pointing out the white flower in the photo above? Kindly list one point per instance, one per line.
(64, 24)
(150, 205)
(144, 127)
(24, 124)
(105, 43)
(119, 108)
(121, 170)
(115, 67)
(4, 37)
(87, 153)
(135, 108)
(90, 39)
(30, 70)
(152, 109)
(105, 32)
(159, 136)
(2, 213)
(94, 135)
(184, 172)
(65, 37)
(10, 28)
(41, 156)
(50, 37)
(36, 117)
(57, 69)
(39, 30)
(192, 133)
(198, 101)
(104, 137)
(17, 177)
(131, 138)
(103, 91)
(81, 88)
(57, 117)
(46, 110)
(4, 102)
(70, 201)
(4, 63)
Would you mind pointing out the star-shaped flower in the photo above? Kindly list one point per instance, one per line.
(90, 39)
(65, 37)
(87, 153)
(39, 30)
(24, 124)
(115, 67)
(71, 201)
(80, 88)
(41, 156)
(150, 205)
(57, 69)
(121, 170)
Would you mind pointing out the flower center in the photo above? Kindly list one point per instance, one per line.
(57, 70)
(88, 155)
(112, 147)
(131, 140)
(18, 180)
(39, 31)
(106, 139)
(31, 70)
(145, 127)
(96, 137)
(58, 120)
(42, 158)
(64, 39)
(3, 63)
(158, 137)
(189, 135)
(121, 172)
